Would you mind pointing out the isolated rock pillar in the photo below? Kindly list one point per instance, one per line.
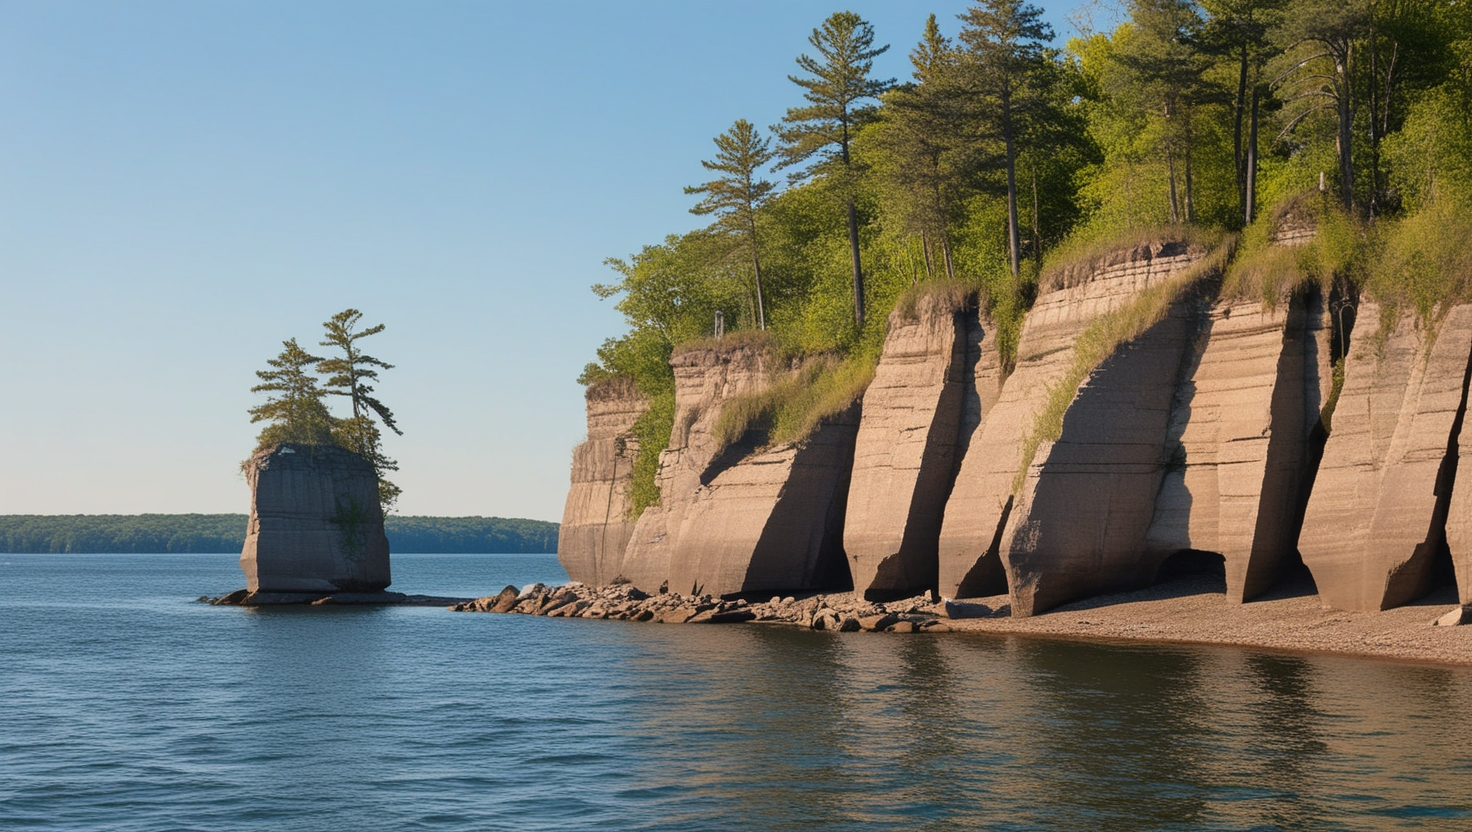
(315, 522)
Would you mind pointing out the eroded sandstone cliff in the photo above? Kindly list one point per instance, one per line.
(1078, 524)
(981, 502)
(596, 524)
(1239, 440)
(939, 372)
(748, 516)
(315, 522)
(1377, 518)
(1158, 417)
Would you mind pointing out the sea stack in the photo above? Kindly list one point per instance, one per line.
(315, 522)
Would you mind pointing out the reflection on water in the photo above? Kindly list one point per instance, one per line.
(130, 708)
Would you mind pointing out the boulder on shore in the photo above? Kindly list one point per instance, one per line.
(315, 522)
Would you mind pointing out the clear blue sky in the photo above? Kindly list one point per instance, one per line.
(183, 185)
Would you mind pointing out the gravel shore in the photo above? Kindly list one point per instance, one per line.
(1195, 610)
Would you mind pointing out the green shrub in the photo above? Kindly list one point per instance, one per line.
(652, 431)
(1423, 262)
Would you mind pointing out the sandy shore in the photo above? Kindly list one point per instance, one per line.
(1196, 610)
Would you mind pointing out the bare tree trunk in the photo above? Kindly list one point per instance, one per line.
(1237, 154)
(761, 310)
(1170, 164)
(1250, 208)
(853, 245)
(945, 250)
(1342, 142)
(1037, 220)
(1012, 235)
(1190, 183)
(925, 246)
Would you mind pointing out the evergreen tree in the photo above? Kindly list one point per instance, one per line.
(1164, 73)
(349, 376)
(737, 195)
(929, 159)
(294, 406)
(825, 127)
(1004, 46)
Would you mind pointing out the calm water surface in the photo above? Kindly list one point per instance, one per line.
(123, 705)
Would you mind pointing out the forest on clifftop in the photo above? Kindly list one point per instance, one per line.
(1007, 156)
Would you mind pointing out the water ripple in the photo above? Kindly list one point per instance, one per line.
(129, 708)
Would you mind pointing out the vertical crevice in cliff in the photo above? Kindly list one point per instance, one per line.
(988, 576)
(1416, 577)
(919, 545)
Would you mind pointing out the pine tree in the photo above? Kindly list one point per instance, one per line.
(826, 126)
(922, 136)
(1238, 29)
(1004, 46)
(294, 407)
(737, 195)
(349, 376)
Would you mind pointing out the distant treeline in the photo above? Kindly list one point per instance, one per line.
(205, 533)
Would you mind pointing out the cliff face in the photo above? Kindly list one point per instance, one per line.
(1377, 517)
(745, 518)
(1078, 524)
(938, 374)
(1204, 434)
(981, 502)
(1239, 439)
(595, 520)
(315, 522)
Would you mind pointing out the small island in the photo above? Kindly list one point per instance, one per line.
(318, 494)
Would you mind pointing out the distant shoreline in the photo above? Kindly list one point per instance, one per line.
(128, 534)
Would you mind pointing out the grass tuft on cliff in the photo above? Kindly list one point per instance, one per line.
(1102, 338)
(652, 431)
(792, 407)
(1268, 271)
(1423, 262)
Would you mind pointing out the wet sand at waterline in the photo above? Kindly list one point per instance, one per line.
(1195, 609)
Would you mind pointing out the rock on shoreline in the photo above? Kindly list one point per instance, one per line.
(246, 598)
(842, 612)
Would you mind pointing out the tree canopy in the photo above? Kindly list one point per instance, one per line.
(1005, 151)
(296, 409)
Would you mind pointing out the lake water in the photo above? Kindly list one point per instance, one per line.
(124, 705)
